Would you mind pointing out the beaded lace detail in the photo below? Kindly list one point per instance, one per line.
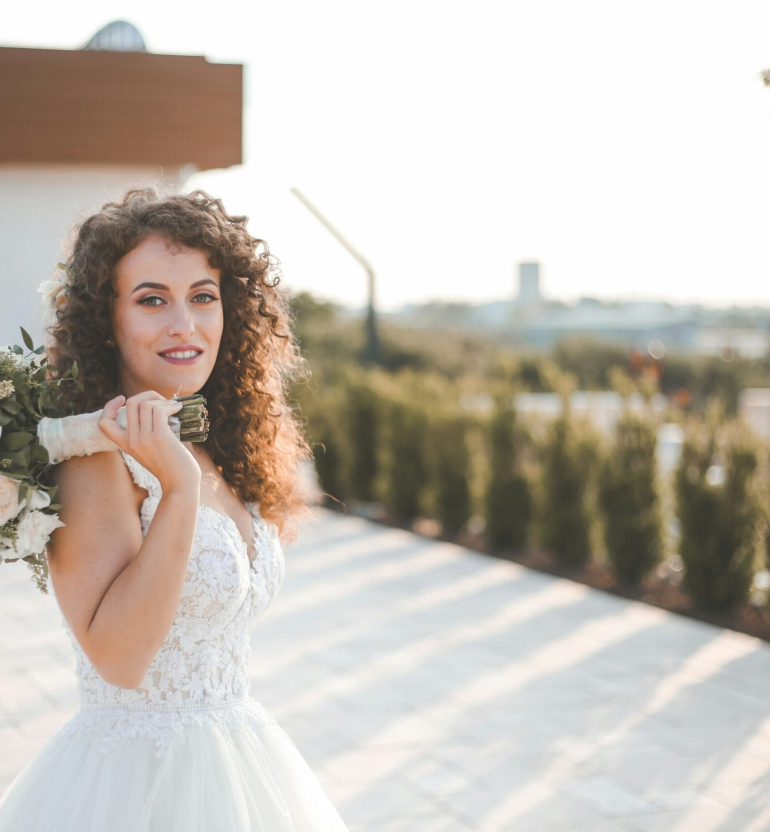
(200, 674)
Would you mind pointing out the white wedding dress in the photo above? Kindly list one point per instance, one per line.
(189, 750)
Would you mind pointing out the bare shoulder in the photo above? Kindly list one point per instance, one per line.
(90, 482)
(101, 534)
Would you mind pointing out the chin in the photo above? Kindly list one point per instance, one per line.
(180, 385)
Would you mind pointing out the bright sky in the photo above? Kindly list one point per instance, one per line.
(624, 145)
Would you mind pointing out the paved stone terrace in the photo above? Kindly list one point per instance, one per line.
(435, 689)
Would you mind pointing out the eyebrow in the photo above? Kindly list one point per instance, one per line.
(163, 285)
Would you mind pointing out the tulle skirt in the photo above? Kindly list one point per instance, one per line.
(230, 768)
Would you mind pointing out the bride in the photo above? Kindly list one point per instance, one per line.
(171, 551)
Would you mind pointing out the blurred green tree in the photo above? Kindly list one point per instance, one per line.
(508, 499)
(719, 510)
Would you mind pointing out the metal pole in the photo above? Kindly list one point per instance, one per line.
(372, 351)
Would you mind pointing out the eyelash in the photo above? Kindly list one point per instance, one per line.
(151, 297)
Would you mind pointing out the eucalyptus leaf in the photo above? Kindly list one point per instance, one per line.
(10, 406)
(27, 339)
(16, 441)
(17, 457)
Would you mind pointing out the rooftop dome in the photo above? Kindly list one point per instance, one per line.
(117, 36)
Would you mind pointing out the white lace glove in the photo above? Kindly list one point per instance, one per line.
(79, 435)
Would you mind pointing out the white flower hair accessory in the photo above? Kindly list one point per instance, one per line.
(55, 291)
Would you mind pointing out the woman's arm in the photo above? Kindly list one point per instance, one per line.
(118, 592)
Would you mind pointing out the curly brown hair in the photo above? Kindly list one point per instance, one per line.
(255, 435)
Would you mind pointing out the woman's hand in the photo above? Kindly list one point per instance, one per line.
(149, 438)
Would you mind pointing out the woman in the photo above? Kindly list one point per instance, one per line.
(171, 551)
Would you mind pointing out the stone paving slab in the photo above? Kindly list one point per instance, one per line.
(437, 689)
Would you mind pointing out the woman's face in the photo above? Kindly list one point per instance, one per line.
(168, 300)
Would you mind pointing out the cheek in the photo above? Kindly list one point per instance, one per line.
(137, 334)
(213, 326)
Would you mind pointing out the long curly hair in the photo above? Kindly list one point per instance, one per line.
(255, 435)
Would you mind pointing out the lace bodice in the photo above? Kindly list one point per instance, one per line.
(203, 663)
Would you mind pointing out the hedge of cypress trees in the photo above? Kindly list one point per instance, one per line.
(392, 440)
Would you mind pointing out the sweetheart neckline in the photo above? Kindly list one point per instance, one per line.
(234, 525)
(225, 517)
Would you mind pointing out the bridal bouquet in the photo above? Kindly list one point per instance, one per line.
(36, 433)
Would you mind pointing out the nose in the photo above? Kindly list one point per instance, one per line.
(182, 322)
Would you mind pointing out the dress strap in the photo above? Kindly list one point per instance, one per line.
(142, 477)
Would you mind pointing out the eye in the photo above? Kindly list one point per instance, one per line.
(144, 300)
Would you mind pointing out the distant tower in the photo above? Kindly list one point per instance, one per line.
(529, 283)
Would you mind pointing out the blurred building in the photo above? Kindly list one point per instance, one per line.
(634, 323)
(532, 320)
(602, 408)
(732, 340)
(79, 127)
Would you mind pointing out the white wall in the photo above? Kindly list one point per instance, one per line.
(38, 207)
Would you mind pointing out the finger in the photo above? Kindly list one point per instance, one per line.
(145, 417)
(132, 419)
(160, 416)
(107, 424)
(110, 410)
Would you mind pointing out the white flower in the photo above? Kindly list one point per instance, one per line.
(53, 294)
(32, 362)
(14, 356)
(9, 499)
(38, 499)
(34, 530)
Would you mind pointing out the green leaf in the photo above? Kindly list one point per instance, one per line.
(10, 406)
(40, 453)
(41, 349)
(79, 385)
(74, 369)
(18, 458)
(26, 337)
(16, 441)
